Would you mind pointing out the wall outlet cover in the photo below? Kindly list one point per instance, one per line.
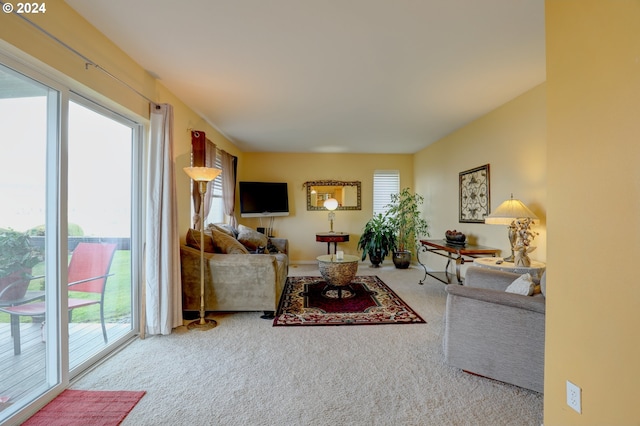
(574, 397)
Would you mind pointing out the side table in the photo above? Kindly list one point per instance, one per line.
(332, 237)
(536, 269)
(338, 273)
(458, 254)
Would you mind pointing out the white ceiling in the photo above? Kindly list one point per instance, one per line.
(361, 76)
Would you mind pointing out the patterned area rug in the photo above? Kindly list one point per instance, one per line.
(309, 301)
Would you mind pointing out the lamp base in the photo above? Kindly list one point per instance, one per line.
(202, 324)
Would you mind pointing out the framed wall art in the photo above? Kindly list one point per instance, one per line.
(475, 198)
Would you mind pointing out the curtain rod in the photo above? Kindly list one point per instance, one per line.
(88, 62)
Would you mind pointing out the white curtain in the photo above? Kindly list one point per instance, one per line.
(162, 298)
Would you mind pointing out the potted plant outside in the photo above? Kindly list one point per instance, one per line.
(17, 258)
(377, 240)
(405, 218)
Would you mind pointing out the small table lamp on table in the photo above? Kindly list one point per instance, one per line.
(518, 218)
(331, 204)
(202, 175)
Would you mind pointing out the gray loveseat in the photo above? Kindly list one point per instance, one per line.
(236, 279)
(493, 333)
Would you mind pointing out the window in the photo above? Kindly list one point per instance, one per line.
(385, 183)
(216, 211)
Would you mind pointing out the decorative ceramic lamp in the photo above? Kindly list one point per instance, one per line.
(202, 175)
(518, 218)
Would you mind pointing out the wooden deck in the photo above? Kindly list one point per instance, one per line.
(22, 374)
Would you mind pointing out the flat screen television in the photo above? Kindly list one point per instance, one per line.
(260, 199)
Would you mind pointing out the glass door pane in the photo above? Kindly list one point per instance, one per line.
(28, 143)
(99, 220)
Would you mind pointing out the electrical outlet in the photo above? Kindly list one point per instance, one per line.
(573, 397)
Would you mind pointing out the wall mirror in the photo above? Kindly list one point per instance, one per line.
(346, 192)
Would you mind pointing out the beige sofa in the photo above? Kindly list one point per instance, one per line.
(493, 333)
(236, 279)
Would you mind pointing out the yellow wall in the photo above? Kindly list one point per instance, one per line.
(68, 26)
(512, 140)
(301, 225)
(593, 296)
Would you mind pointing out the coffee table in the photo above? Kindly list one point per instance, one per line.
(338, 273)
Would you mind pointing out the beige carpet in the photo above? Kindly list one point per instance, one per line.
(246, 372)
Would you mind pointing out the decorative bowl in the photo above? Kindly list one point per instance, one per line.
(455, 237)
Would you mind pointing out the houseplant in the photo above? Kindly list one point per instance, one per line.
(377, 240)
(405, 218)
(17, 257)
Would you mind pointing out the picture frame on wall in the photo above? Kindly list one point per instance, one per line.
(475, 198)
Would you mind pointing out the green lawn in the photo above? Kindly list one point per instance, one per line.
(117, 297)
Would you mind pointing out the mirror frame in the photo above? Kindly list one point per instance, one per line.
(311, 183)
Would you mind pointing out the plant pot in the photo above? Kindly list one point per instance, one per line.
(402, 259)
(18, 282)
(375, 258)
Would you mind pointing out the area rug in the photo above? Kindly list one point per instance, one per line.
(83, 408)
(368, 300)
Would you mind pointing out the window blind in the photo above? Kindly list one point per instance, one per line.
(217, 182)
(385, 183)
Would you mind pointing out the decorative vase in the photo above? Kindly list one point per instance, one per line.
(19, 283)
(402, 259)
(375, 258)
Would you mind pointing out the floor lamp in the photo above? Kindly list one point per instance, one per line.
(202, 175)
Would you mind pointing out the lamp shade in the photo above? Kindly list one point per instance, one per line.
(331, 204)
(202, 174)
(508, 211)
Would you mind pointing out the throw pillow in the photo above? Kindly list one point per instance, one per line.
(250, 238)
(543, 284)
(193, 240)
(223, 227)
(522, 285)
(225, 244)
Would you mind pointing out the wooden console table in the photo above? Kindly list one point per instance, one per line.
(332, 237)
(457, 253)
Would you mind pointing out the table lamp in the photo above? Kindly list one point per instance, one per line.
(202, 175)
(512, 213)
(331, 204)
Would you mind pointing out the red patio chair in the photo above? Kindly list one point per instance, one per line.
(88, 272)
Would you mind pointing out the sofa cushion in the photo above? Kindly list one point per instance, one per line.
(523, 285)
(193, 240)
(251, 238)
(225, 244)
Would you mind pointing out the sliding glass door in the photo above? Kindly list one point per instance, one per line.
(100, 183)
(69, 235)
(29, 128)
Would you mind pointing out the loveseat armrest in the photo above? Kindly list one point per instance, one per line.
(282, 244)
(489, 278)
(531, 303)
